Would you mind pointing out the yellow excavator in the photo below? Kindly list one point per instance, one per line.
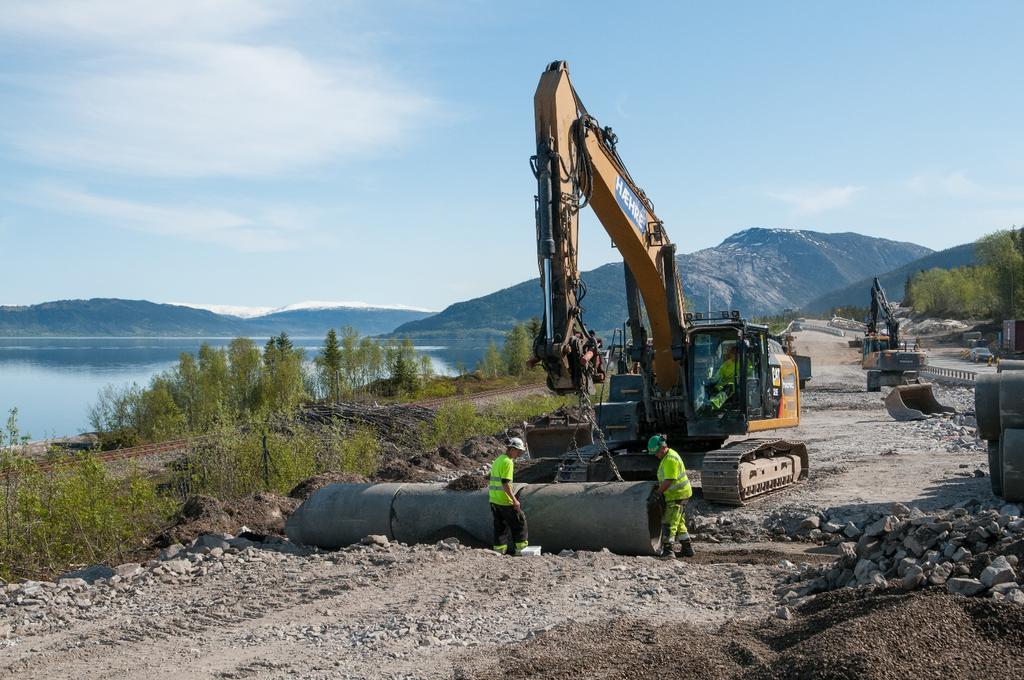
(696, 378)
(888, 360)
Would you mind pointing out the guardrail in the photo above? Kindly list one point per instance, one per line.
(952, 373)
(820, 329)
(847, 324)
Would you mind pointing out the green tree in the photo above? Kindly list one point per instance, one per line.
(517, 350)
(159, 417)
(426, 368)
(330, 364)
(283, 385)
(403, 367)
(1000, 254)
(244, 376)
(492, 365)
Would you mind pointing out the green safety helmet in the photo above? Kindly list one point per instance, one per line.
(655, 443)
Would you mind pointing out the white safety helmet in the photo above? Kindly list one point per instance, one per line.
(516, 443)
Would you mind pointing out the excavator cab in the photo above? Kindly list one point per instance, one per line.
(717, 366)
(729, 375)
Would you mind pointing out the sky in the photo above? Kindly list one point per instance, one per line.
(263, 152)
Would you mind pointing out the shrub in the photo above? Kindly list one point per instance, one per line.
(237, 461)
(457, 421)
(78, 513)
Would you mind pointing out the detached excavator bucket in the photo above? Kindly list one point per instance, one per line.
(914, 402)
(556, 439)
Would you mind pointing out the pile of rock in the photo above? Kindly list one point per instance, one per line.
(791, 523)
(957, 433)
(965, 553)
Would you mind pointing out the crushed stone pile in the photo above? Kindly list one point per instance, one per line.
(932, 327)
(955, 433)
(845, 635)
(969, 554)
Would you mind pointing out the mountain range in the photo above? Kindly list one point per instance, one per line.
(115, 317)
(893, 282)
(756, 271)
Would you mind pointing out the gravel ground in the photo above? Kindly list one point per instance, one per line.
(366, 611)
(851, 635)
(272, 610)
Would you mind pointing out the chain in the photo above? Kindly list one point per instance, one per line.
(589, 414)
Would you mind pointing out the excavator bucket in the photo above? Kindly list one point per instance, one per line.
(914, 402)
(558, 437)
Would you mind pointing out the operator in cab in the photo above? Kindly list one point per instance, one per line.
(674, 487)
(509, 520)
(723, 383)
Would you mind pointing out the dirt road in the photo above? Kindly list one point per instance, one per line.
(276, 611)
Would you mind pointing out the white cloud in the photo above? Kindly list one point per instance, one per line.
(138, 21)
(263, 232)
(172, 89)
(811, 201)
(959, 185)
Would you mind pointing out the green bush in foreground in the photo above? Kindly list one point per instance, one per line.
(458, 421)
(77, 514)
(237, 461)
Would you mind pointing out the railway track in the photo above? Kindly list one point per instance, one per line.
(142, 451)
(485, 396)
(147, 450)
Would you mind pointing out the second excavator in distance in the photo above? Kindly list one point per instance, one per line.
(892, 362)
(887, 359)
(698, 379)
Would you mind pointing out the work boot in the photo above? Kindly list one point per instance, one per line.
(685, 549)
(667, 554)
(667, 539)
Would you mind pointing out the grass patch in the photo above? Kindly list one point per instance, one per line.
(455, 422)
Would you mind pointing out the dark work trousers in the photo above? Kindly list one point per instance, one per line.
(509, 520)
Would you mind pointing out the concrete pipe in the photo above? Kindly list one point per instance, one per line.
(341, 514)
(593, 515)
(986, 405)
(1011, 399)
(1012, 453)
(1010, 365)
(589, 516)
(995, 467)
(427, 513)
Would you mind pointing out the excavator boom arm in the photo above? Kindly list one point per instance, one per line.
(577, 165)
(880, 307)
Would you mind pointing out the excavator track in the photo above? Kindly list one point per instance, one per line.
(742, 470)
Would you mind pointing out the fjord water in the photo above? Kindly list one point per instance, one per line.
(52, 381)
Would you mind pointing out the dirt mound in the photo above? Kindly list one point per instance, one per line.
(397, 426)
(482, 449)
(467, 483)
(401, 471)
(306, 487)
(842, 635)
(263, 513)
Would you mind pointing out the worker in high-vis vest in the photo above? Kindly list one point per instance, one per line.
(509, 520)
(674, 487)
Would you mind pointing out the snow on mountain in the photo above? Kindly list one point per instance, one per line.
(314, 305)
(231, 310)
(244, 312)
